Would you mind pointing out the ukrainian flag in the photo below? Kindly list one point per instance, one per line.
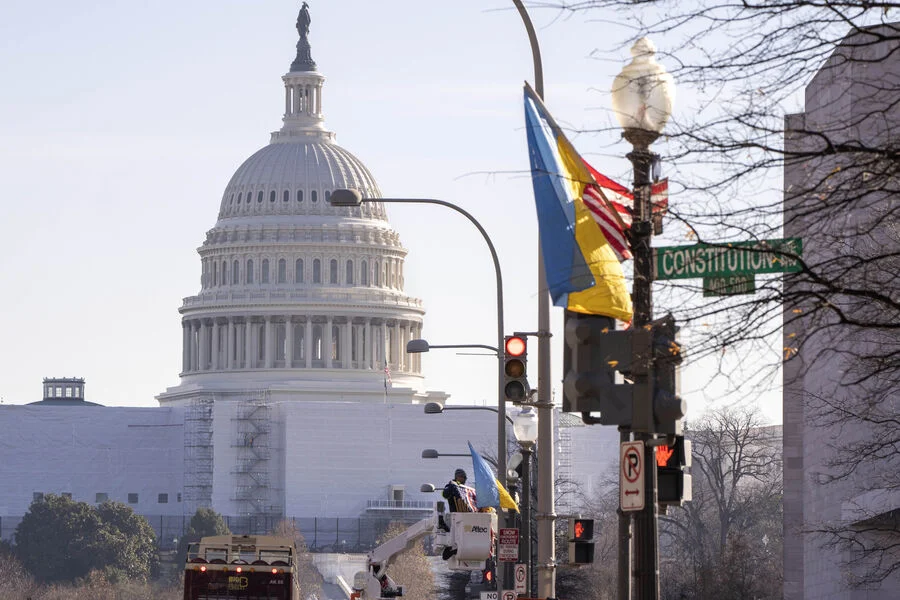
(583, 273)
(488, 489)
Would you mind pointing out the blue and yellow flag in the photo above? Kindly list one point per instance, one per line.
(583, 271)
(488, 489)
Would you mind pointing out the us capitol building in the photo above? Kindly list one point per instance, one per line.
(296, 395)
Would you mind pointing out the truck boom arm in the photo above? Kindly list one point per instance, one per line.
(470, 537)
(380, 558)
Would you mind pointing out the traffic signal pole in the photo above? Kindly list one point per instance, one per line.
(623, 587)
(546, 515)
(646, 521)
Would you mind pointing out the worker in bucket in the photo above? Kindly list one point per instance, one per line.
(460, 497)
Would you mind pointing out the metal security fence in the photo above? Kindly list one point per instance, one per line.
(321, 534)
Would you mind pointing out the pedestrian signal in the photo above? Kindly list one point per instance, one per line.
(581, 541)
(673, 480)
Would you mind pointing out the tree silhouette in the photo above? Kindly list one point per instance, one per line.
(59, 539)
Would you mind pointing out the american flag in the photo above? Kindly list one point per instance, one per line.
(612, 206)
(387, 376)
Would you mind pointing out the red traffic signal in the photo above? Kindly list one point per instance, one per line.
(515, 346)
(515, 349)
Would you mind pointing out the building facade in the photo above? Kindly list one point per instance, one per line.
(840, 501)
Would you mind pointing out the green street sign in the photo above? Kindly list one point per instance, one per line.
(725, 260)
(732, 285)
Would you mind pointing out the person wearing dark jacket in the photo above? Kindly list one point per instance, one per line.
(460, 497)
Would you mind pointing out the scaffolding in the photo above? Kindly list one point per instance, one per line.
(198, 454)
(254, 490)
(565, 423)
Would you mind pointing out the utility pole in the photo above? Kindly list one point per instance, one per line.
(546, 515)
(645, 521)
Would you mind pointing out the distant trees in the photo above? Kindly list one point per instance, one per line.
(17, 581)
(63, 540)
(310, 578)
(597, 581)
(205, 522)
(726, 542)
(411, 568)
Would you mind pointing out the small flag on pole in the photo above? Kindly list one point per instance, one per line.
(387, 376)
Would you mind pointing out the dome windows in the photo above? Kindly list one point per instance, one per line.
(349, 272)
(264, 271)
(298, 271)
(272, 196)
(250, 268)
(327, 195)
(287, 196)
(282, 271)
(235, 272)
(299, 195)
(364, 273)
(259, 196)
(312, 196)
(333, 272)
(317, 271)
(240, 197)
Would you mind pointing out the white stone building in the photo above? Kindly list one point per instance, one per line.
(300, 323)
(852, 100)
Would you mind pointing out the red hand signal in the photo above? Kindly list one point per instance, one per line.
(663, 454)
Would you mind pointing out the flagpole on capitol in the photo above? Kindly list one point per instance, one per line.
(546, 513)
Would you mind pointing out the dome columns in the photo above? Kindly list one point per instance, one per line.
(273, 342)
(303, 105)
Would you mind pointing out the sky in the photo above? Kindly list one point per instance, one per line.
(121, 124)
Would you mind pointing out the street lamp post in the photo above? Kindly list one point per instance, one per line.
(350, 198)
(525, 428)
(546, 586)
(642, 97)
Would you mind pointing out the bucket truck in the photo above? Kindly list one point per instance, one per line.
(466, 540)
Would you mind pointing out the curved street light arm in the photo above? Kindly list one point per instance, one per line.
(501, 403)
(490, 408)
(485, 346)
(535, 49)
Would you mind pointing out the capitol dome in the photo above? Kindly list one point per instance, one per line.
(297, 295)
(295, 177)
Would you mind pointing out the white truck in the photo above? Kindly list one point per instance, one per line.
(465, 539)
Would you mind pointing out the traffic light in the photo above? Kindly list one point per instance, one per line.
(594, 352)
(488, 579)
(581, 541)
(673, 483)
(668, 406)
(515, 359)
